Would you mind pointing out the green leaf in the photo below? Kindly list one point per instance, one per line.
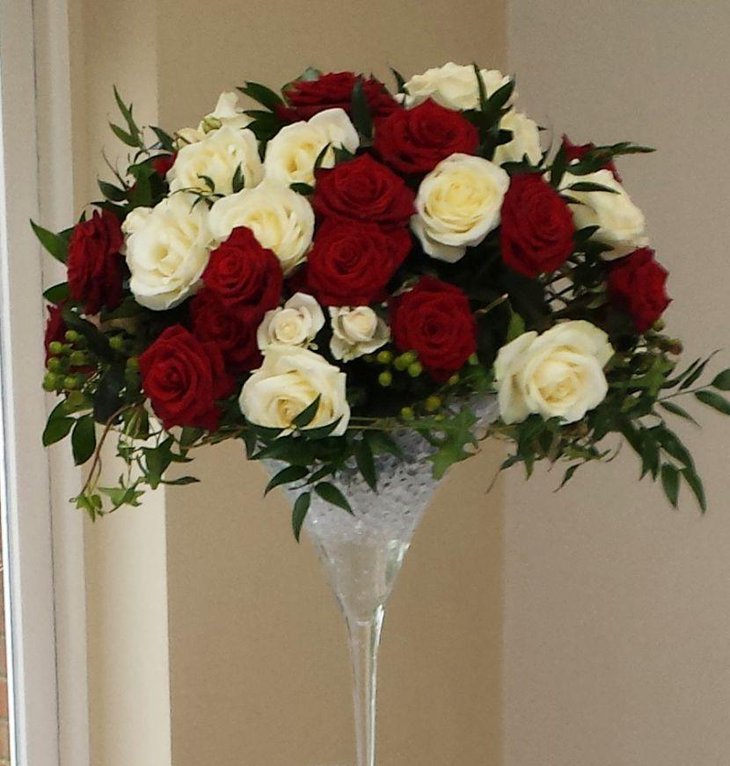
(304, 189)
(330, 494)
(717, 402)
(483, 106)
(56, 429)
(306, 416)
(123, 136)
(209, 182)
(111, 192)
(361, 117)
(181, 481)
(83, 439)
(695, 484)
(108, 394)
(57, 294)
(399, 81)
(695, 375)
(126, 111)
(190, 435)
(321, 157)
(238, 180)
(55, 244)
(569, 474)
(675, 409)
(366, 463)
(299, 513)
(670, 482)
(165, 139)
(262, 95)
(286, 475)
(722, 381)
(588, 186)
(381, 442)
(516, 326)
(672, 445)
(559, 165)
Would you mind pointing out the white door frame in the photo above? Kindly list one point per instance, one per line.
(45, 611)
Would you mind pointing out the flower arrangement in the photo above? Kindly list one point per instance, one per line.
(341, 262)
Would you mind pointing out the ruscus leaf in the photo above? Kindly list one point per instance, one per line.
(299, 513)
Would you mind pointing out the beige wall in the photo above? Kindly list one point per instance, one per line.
(259, 666)
(257, 654)
(617, 615)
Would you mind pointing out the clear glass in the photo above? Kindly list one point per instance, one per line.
(363, 552)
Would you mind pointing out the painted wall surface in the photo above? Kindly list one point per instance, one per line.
(259, 666)
(617, 621)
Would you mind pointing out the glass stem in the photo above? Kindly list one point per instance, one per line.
(364, 643)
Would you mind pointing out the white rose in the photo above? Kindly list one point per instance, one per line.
(525, 140)
(453, 86)
(167, 249)
(295, 324)
(556, 374)
(356, 331)
(280, 219)
(458, 204)
(621, 223)
(287, 382)
(225, 113)
(291, 154)
(217, 156)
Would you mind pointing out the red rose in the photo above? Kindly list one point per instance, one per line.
(578, 151)
(183, 377)
(537, 226)
(55, 328)
(308, 97)
(243, 273)
(94, 263)
(351, 262)
(435, 320)
(637, 285)
(162, 163)
(416, 140)
(233, 330)
(364, 190)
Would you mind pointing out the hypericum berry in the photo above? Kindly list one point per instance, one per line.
(453, 380)
(385, 378)
(71, 382)
(384, 357)
(54, 364)
(55, 347)
(78, 359)
(407, 413)
(116, 342)
(403, 361)
(72, 336)
(473, 360)
(415, 369)
(75, 399)
(50, 381)
(133, 363)
(433, 403)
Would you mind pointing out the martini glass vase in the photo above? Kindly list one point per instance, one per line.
(362, 553)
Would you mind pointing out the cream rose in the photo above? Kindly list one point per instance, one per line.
(280, 219)
(226, 112)
(525, 140)
(167, 249)
(556, 374)
(356, 331)
(217, 157)
(453, 85)
(458, 204)
(291, 154)
(621, 223)
(296, 323)
(288, 381)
